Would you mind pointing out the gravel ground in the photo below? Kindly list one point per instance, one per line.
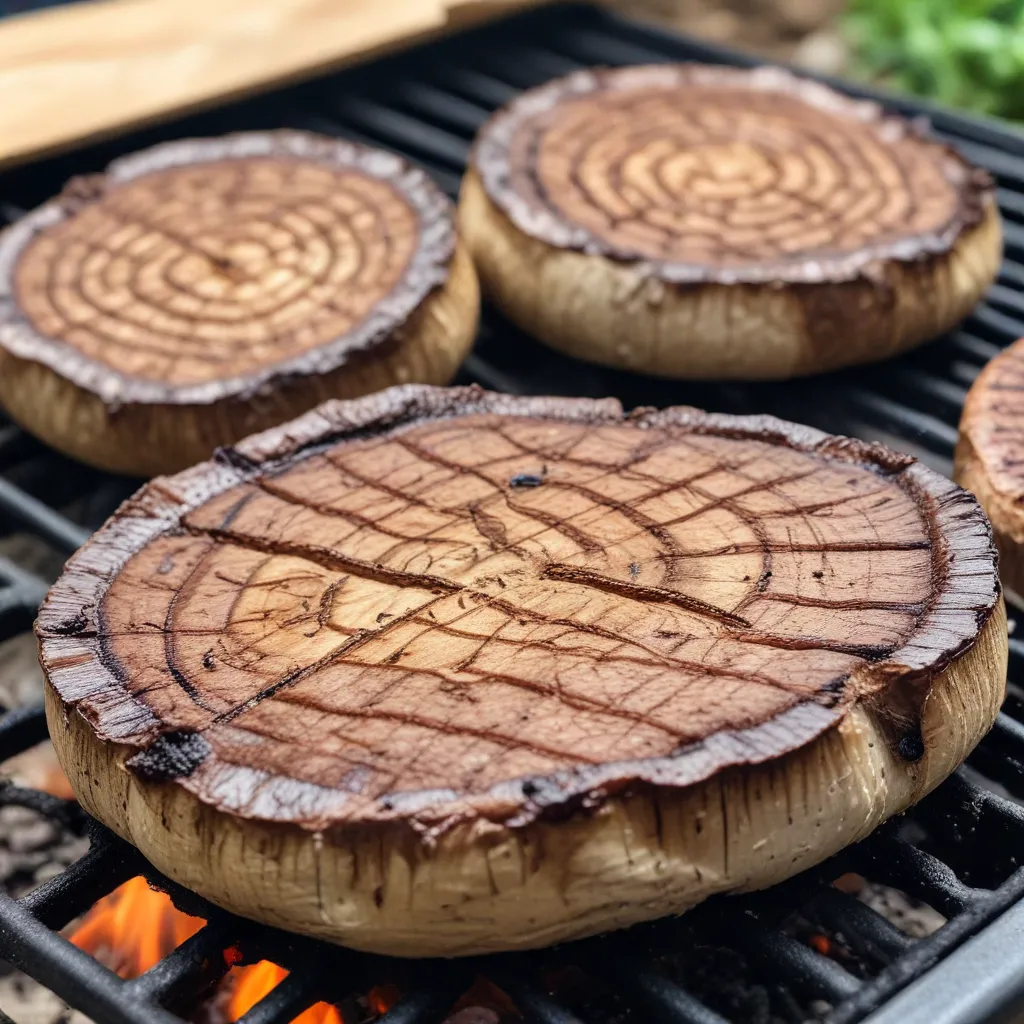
(32, 849)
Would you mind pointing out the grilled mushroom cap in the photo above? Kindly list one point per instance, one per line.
(709, 222)
(988, 456)
(206, 289)
(444, 672)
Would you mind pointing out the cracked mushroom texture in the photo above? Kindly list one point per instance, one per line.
(709, 222)
(206, 289)
(443, 672)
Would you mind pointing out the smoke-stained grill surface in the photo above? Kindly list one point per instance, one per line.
(959, 850)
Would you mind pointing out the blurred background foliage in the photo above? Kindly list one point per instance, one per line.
(966, 53)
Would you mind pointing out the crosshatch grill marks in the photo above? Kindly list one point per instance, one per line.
(510, 570)
(452, 468)
(390, 605)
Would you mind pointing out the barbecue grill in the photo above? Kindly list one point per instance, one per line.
(960, 850)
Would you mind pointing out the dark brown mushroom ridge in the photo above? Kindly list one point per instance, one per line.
(432, 604)
(988, 456)
(713, 174)
(208, 268)
(993, 423)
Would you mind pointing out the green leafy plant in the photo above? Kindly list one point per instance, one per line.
(966, 53)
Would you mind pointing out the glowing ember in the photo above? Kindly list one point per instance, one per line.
(484, 995)
(133, 928)
(37, 768)
(55, 783)
(849, 883)
(253, 983)
(381, 998)
(820, 944)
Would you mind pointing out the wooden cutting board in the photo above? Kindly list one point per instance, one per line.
(91, 69)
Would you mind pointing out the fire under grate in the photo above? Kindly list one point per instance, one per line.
(959, 851)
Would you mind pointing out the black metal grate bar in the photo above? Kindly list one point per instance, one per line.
(64, 535)
(285, 1001)
(923, 956)
(531, 998)
(21, 593)
(920, 427)
(973, 347)
(104, 867)
(870, 935)
(68, 814)
(190, 970)
(1007, 735)
(427, 1005)
(781, 956)
(981, 981)
(655, 994)
(1001, 295)
(922, 875)
(73, 975)
(21, 729)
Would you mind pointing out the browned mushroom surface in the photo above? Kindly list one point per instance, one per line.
(719, 174)
(244, 271)
(697, 221)
(435, 607)
(214, 270)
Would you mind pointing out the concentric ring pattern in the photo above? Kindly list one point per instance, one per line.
(711, 167)
(193, 271)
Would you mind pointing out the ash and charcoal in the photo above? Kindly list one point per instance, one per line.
(722, 979)
(33, 850)
(26, 1002)
(912, 917)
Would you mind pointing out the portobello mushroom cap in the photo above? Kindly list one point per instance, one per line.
(444, 672)
(711, 222)
(205, 289)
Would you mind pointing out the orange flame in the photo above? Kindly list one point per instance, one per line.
(253, 983)
(133, 928)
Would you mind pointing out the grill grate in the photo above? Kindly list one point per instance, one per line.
(959, 850)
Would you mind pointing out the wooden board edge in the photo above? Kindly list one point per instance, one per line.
(95, 69)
